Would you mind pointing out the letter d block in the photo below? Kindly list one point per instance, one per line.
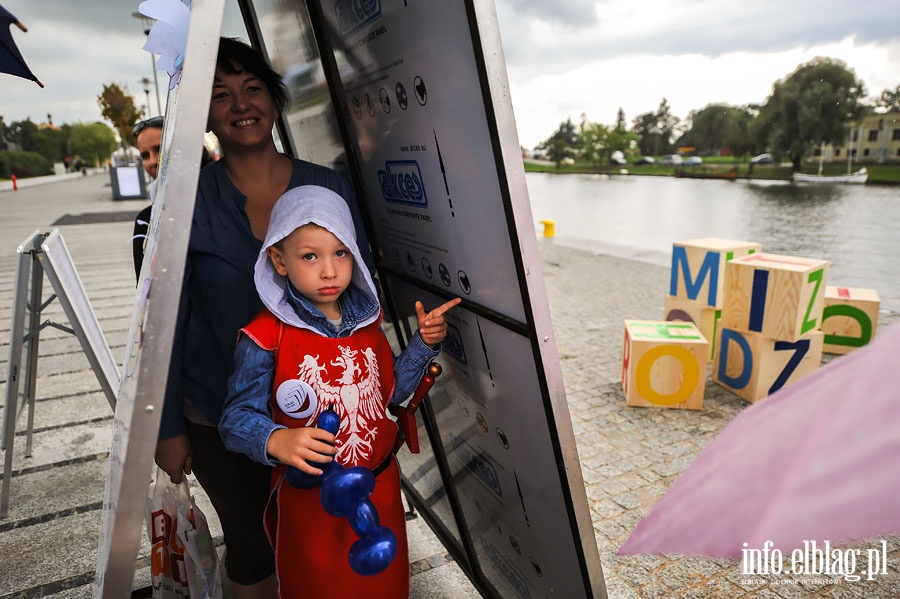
(849, 318)
(664, 364)
(781, 297)
(753, 366)
(698, 268)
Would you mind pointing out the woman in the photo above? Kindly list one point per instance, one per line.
(234, 201)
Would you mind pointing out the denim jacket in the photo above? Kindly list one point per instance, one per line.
(246, 422)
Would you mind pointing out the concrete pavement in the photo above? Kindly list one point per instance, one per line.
(629, 456)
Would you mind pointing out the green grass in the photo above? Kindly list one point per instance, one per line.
(878, 173)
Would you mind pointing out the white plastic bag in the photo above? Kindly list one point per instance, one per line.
(183, 559)
(200, 558)
(167, 569)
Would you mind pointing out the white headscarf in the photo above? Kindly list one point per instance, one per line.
(297, 207)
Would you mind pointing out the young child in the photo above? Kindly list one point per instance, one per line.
(318, 345)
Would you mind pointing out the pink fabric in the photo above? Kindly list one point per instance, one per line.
(819, 460)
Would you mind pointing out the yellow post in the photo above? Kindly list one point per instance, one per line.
(549, 228)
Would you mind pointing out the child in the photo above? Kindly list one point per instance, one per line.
(319, 345)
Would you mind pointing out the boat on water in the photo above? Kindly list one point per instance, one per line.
(690, 173)
(860, 176)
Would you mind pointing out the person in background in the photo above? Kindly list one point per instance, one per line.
(148, 140)
(235, 195)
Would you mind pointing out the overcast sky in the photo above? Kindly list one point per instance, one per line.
(564, 58)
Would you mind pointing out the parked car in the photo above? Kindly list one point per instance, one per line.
(691, 161)
(644, 160)
(617, 158)
(671, 159)
(762, 159)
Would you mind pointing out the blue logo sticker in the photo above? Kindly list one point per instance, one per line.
(353, 15)
(401, 183)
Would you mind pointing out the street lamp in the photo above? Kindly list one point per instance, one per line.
(146, 83)
(147, 23)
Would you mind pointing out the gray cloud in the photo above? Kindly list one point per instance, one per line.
(693, 28)
(572, 13)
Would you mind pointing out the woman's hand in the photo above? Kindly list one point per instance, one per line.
(175, 456)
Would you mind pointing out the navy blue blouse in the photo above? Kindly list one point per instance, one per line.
(218, 295)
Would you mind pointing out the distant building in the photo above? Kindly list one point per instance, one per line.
(874, 139)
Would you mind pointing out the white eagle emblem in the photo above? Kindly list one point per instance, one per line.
(355, 396)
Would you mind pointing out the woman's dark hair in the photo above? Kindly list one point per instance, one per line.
(237, 57)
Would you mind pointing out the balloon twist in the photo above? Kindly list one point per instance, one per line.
(345, 494)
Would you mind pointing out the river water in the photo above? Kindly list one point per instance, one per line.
(855, 227)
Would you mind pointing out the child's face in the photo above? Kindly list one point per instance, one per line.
(317, 264)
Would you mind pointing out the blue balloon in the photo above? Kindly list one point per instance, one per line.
(345, 494)
(332, 467)
(374, 553)
(343, 490)
(364, 519)
(329, 421)
(300, 479)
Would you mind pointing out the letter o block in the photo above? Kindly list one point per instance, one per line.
(849, 319)
(664, 364)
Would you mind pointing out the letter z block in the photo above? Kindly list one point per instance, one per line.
(698, 267)
(664, 364)
(753, 366)
(781, 297)
(849, 318)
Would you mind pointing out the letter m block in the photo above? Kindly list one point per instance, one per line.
(698, 268)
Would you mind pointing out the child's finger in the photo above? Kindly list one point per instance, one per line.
(420, 310)
(444, 307)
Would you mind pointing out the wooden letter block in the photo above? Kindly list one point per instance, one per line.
(698, 267)
(781, 297)
(849, 318)
(753, 366)
(664, 364)
(706, 318)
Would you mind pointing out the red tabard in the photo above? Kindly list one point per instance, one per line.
(355, 377)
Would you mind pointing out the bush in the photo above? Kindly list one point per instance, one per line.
(24, 164)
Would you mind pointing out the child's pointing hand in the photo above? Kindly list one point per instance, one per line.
(432, 326)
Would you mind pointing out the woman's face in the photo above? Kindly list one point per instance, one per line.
(241, 110)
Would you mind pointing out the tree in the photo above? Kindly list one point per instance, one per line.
(715, 128)
(564, 143)
(594, 141)
(620, 138)
(118, 108)
(93, 142)
(810, 107)
(889, 100)
(655, 130)
(620, 127)
(24, 134)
